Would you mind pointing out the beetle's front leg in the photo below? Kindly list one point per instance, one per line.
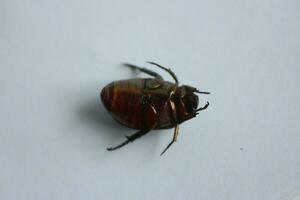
(196, 112)
(202, 108)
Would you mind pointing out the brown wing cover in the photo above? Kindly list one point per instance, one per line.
(123, 100)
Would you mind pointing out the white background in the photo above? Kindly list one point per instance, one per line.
(55, 57)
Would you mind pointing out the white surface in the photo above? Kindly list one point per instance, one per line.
(55, 56)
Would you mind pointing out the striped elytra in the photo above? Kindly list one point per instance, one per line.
(123, 100)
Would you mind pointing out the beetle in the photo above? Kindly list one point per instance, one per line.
(146, 104)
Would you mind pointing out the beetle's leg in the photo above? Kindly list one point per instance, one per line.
(149, 118)
(147, 71)
(175, 121)
(168, 70)
(173, 140)
(196, 112)
(202, 108)
(150, 84)
(130, 138)
(173, 90)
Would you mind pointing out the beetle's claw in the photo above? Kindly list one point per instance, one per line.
(109, 148)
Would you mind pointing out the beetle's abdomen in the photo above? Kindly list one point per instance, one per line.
(123, 100)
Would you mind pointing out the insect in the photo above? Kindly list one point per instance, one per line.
(146, 104)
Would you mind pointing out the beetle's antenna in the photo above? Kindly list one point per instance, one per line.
(200, 92)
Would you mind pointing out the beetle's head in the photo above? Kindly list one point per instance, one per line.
(188, 102)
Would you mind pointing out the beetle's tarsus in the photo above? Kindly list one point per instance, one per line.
(118, 146)
(173, 140)
(142, 69)
(167, 147)
(129, 139)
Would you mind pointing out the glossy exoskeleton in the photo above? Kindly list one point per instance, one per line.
(150, 103)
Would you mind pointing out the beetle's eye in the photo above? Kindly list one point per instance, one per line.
(190, 103)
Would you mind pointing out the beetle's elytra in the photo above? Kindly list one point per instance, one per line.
(150, 103)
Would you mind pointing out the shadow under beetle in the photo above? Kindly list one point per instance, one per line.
(150, 103)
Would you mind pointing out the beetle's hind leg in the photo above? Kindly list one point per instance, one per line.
(147, 71)
(149, 117)
(153, 83)
(166, 69)
(129, 139)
